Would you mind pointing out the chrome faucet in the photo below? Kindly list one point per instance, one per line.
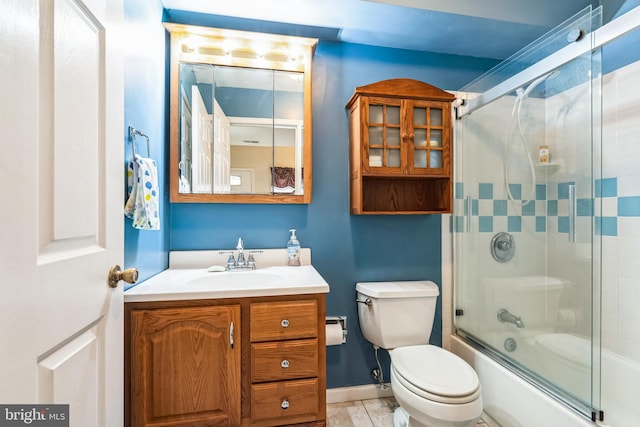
(240, 248)
(239, 262)
(505, 316)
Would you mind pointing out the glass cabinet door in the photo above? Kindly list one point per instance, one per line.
(406, 137)
(383, 128)
(428, 148)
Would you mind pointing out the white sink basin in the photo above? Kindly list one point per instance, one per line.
(239, 278)
(190, 279)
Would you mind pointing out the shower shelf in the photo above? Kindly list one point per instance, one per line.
(551, 167)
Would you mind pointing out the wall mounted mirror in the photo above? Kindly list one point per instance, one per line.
(240, 116)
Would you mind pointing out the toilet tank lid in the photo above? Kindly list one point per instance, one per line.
(398, 289)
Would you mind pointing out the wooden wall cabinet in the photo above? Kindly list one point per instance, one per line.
(400, 135)
(226, 362)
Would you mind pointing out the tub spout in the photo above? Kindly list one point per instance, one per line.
(505, 316)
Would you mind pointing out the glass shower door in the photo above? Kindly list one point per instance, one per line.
(526, 250)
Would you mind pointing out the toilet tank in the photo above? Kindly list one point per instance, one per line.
(397, 314)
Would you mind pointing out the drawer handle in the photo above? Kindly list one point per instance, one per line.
(284, 323)
(284, 404)
(284, 364)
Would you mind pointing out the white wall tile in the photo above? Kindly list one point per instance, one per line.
(629, 185)
(609, 206)
(629, 309)
(630, 288)
(629, 226)
(629, 245)
(628, 267)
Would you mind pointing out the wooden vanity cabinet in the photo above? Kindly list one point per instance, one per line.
(227, 362)
(185, 366)
(400, 135)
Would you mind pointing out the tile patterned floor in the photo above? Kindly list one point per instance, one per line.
(365, 413)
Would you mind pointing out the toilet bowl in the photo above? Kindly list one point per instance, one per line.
(434, 388)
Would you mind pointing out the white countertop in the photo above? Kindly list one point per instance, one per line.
(188, 278)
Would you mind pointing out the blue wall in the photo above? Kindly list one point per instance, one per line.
(145, 109)
(345, 248)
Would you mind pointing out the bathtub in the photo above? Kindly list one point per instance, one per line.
(513, 402)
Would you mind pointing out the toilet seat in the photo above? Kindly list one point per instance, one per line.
(435, 374)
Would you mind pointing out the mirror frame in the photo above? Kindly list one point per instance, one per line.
(206, 45)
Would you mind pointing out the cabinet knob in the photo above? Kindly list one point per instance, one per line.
(284, 404)
(284, 323)
(284, 364)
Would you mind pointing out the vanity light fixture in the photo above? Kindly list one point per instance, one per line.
(261, 48)
(228, 46)
(256, 49)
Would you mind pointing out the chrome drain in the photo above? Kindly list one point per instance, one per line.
(510, 344)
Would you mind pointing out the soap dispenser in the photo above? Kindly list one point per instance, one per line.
(293, 249)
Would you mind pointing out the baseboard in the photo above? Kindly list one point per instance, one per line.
(360, 392)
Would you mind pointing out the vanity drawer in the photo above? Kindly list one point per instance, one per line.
(285, 402)
(284, 360)
(284, 320)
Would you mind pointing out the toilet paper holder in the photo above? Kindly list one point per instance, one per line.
(342, 320)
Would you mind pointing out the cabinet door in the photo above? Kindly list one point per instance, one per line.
(427, 127)
(185, 366)
(382, 148)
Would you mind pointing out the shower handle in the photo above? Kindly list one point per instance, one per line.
(468, 213)
(572, 213)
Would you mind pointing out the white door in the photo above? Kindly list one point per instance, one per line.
(61, 207)
(201, 141)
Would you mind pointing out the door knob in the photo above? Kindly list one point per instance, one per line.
(130, 275)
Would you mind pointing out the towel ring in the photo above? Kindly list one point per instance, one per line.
(132, 134)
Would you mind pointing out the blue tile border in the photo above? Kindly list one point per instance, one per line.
(563, 190)
(485, 224)
(459, 191)
(563, 224)
(485, 191)
(584, 207)
(529, 209)
(514, 224)
(516, 191)
(606, 226)
(629, 206)
(499, 208)
(542, 208)
(607, 187)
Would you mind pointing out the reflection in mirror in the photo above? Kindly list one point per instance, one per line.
(240, 119)
(240, 134)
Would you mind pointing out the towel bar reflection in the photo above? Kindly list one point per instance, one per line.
(132, 134)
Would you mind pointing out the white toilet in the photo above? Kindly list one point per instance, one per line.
(434, 388)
